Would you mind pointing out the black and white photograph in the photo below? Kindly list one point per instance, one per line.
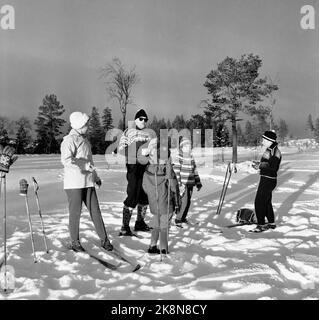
(159, 150)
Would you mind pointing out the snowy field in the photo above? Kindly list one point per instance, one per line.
(206, 260)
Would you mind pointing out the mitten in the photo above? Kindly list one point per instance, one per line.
(7, 158)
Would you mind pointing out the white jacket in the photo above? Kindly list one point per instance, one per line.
(76, 157)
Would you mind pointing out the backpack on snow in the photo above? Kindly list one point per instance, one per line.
(246, 216)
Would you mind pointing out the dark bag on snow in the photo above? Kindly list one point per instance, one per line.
(246, 216)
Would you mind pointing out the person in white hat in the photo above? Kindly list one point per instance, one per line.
(79, 181)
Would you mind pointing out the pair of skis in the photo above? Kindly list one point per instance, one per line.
(24, 192)
(116, 252)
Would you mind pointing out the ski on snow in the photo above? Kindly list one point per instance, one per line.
(103, 262)
(118, 253)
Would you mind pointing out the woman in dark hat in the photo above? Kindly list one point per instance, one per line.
(268, 166)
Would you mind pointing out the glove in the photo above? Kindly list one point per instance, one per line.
(199, 186)
(255, 165)
(7, 158)
(88, 167)
(98, 182)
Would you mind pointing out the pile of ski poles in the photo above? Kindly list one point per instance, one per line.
(225, 187)
(5, 270)
(24, 192)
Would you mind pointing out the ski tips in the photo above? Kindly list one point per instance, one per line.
(138, 267)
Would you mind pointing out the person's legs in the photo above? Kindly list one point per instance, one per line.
(270, 210)
(182, 208)
(130, 201)
(92, 203)
(189, 193)
(75, 197)
(142, 201)
(185, 204)
(154, 236)
(261, 202)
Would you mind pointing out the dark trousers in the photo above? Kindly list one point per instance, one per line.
(186, 202)
(263, 205)
(89, 197)
(135, 192)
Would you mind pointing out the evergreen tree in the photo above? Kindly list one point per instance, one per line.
(234, 87)
(310, 127)
(48, 125)
(282, 130)
(316, 130)
(221, 136)
(250, 134)
(179, 123)
(107, 123)
(95, 133)
(23, 136)
(240, 135)
(4, 136)
(107, 119)
(120, 124)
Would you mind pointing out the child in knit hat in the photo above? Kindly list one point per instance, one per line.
(268, 166)
(187, 177)
(160, 185)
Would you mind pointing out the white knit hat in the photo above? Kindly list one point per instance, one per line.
(78, 119)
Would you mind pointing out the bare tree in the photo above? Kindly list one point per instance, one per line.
(272, 101)
(119, 84)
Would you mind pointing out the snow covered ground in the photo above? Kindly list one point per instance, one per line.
(206, 260)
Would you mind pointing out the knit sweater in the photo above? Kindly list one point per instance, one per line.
(270, 162)
(185, 170)
(130, 145)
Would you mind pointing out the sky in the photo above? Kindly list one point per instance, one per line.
(58, 47)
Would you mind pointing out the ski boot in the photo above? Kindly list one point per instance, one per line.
(125, 229)
(106, 244)
(153, 250)
(76, 246)
(140, 224)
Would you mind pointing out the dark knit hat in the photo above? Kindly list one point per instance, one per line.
(140, 113)
(270, 136)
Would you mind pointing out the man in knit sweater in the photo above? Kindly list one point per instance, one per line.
(132, 145)
(187, 177)
(268, 166)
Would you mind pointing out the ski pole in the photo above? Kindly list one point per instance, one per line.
(158, 213)
(218, 208)
(24, 192)
(224, 189)
(223, 198)
(36, 188)
(168, 204)
(3, 178)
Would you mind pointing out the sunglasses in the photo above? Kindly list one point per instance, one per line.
(142, 119)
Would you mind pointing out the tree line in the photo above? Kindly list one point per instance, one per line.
(46, 133)
(235, 90)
